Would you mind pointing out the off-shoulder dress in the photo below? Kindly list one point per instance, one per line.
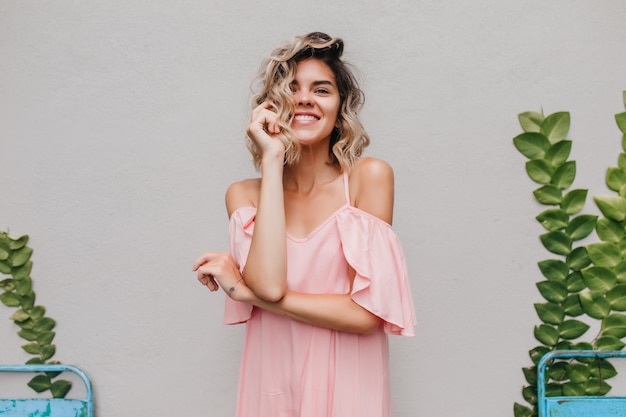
(293, 369)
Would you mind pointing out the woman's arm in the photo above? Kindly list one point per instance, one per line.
(266, 267)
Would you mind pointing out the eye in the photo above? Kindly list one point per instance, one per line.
(322, 90)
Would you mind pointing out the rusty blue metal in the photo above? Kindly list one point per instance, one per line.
(52, 407)
(572, 406)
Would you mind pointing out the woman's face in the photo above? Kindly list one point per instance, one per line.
(316, 102)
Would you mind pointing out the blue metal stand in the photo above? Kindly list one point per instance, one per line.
(583, 406)
(49, 407)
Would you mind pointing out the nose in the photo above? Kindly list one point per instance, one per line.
(303, 97)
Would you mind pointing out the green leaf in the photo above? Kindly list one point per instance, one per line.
(614, 325)
(615, 178)
(564, 175)
(563, 345)
(548, 195)
(22, 271)
(35, 361)
(40, 383)
(617, 297)
(620, 272)
(582, 346)
(557, 242)
(621, 161)
(553, 219)
(553, 390)
(572, 329)
(559, 152)
(597, 387)
(47, 352)
(571, 389)
(9, 299)
(19, 243)
(29, 335)
(7, 284)
(26, 324)
(608, 343)
(578, 373)
(28, 300)
(23, 286)
(521, 411)
(539, 171)
(602, 368)
(556, 370)
(532, 145)
(553, 269)
(594, 305)
(571, 306)
(604, 254)
(21, 256)
(32, 348)
(556, 126)
(574, 201)
(599, 279)
(45, 338)
(59, 389)
(612, 207)
(620, 118)
(4, 254)
(609, 230)
(37, 312)
(5, 267)
(574, 282)
(44, 324)
(553, 291)
(19, 315)
(530, 394)
(550, 313)
(537, 353)
(581, 226)
(546, 334)
(530, 121)
(530, 374)
(578, 259)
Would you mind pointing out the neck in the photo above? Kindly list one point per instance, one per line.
(313, 169)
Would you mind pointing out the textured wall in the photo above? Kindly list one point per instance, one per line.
(121, 126)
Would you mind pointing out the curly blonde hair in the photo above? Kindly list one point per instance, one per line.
(274, 80)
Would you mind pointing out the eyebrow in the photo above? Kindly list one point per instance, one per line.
(318, 83)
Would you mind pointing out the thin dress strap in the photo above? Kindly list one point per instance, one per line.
(346, 187)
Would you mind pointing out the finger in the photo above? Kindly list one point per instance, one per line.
(203, 259)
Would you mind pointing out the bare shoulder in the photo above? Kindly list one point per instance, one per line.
(372, 187)
(241, 194)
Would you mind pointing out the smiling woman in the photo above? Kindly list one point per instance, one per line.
(314, 268)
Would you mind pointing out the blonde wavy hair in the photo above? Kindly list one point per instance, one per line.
(274, 80)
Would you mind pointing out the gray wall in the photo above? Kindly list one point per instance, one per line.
(121, 125)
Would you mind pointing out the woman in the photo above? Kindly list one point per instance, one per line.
(314, 268)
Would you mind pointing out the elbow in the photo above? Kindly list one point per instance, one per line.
(271, 294)
(369, 326)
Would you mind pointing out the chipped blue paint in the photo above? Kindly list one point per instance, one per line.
(569, 406)
(53, 407)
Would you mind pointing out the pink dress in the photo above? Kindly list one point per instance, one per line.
(294, 369)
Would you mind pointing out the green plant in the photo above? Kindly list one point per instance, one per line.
(35, 327)
(583, 284)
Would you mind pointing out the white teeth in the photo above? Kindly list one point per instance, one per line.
(305, 117)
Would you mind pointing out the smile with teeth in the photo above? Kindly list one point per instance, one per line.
(305, 117)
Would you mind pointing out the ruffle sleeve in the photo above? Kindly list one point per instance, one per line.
(240, 237)
(381, 284)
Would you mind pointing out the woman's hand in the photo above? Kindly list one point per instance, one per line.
(217, 270)
(263, 129)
